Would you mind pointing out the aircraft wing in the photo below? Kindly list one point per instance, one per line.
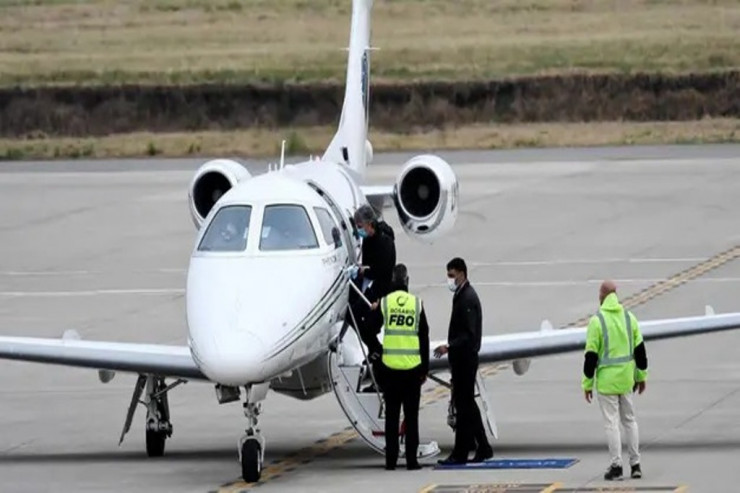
(170, 361)
(379, 196)
(546, 342)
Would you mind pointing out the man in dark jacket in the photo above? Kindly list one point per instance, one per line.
(378, 251)
(378, 260)
(463, 343)
(405, 363)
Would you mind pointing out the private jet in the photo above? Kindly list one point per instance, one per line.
(293, 225)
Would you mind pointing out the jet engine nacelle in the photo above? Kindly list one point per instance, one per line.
(426, 196)
(212, 180)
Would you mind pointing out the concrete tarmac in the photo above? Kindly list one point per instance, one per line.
(103, 247)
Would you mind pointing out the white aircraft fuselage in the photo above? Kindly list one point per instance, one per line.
(256, 313)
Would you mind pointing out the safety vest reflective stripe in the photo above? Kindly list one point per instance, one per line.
(411, 352)
(401, 335)
(402, 332)
(605, 359)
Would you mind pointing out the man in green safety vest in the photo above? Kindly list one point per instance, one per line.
(615, 357)
(405, 364)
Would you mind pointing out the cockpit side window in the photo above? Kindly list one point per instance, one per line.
(228, 230)
(327, 226)
(287, 227)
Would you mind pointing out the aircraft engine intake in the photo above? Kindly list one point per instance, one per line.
(212, 180)
(426, 197)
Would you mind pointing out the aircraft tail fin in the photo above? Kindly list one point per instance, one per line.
(350, 145)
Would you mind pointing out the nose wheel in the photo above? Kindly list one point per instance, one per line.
(251, 446)
(155, 441)
(251, 457)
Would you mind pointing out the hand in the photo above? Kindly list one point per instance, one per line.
(588, 394)
(363, 268)
(353, 271)
(440, 350)
(639, 386)
(374, 305)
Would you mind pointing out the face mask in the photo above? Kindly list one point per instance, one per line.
(362, 233)
(451, 284)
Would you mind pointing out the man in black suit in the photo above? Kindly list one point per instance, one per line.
(463, 344)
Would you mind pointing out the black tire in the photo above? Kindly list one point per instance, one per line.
(251, 461)
(155, 443)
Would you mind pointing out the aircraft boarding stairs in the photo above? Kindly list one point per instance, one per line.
(365, 410)
(351, 375)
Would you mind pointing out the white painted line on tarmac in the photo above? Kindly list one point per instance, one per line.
(31, 273)
(50, 273)
(513, 284)
(473, 263)
(581, 282)
(92, 292)
(590, 261)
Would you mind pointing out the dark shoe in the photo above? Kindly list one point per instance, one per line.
(614, 472)
(414, 466)
(636, 471)
(390, 467)
(452, 460)
(483, 455)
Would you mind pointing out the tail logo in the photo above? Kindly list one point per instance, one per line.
(364, 80)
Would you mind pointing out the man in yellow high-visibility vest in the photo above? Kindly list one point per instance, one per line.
(405, 364)
(615, 357)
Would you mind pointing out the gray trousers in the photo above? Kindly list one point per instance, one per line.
(618, 409)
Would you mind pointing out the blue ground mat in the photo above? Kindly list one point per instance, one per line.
(514, 464)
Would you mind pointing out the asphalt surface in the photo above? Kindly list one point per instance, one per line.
(102, 247)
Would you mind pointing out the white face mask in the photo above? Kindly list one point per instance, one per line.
(451, 284)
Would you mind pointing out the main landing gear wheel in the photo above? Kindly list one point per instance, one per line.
(251, 460)
(155, 443)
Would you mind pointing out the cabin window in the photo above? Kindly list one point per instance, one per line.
(327, 225)
(287, 227)
(228, 230)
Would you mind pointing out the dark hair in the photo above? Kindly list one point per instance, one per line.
(366, 215)
(458, 264)
(400, 275)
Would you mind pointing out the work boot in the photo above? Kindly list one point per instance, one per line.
(636, 471)
(452, 460)
(483, 455)
(614, 472)
(413, 466)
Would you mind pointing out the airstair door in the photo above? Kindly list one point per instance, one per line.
(365, 410)
(481, 396)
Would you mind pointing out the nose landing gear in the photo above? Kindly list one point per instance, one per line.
(251, 446)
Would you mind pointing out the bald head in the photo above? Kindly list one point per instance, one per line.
(607, 288)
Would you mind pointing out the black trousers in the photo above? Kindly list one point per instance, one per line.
(469, 429)
(401, 388)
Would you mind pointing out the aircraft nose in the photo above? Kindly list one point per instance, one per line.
(241, 329)
(233, 358)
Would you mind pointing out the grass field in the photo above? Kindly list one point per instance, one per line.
(185, 41)
(266, 143)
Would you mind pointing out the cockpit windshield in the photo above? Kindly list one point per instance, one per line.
(287, 227)
(228, 230)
